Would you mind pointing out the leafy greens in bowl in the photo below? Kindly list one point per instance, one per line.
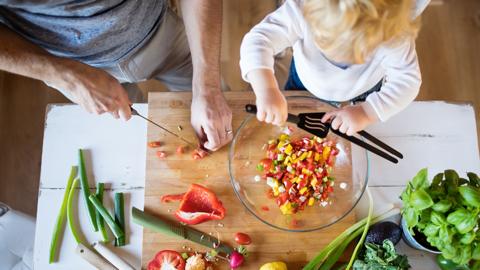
(447, 212)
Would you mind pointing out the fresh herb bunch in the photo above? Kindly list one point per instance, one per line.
(384, 257)
(446, 212)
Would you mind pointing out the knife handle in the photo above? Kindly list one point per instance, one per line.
(92, 258)
(110, 256)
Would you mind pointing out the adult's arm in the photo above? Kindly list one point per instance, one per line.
(94, 89)
(211, 116)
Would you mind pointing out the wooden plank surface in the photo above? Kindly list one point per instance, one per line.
(112, 154)
(176, 173)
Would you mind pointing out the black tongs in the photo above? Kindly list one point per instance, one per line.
(312, 123)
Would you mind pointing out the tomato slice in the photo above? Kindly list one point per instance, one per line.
(167, 260)
(267, 164)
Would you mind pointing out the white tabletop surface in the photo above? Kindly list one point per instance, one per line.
(436, 135)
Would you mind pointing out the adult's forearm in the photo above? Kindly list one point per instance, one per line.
(20, 56)
(203, 24)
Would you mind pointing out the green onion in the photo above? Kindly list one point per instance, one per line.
(71, 223)
(119, 207)
(98, 217)
(86, 189)
(60, 224)
(343, 237)
(117, 231)
(365, 230)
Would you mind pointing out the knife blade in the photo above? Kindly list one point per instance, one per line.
(177, 230)
(136, 113)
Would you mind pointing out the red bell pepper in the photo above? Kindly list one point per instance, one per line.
(197, 205)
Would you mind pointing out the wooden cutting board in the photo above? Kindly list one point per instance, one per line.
(175, 173)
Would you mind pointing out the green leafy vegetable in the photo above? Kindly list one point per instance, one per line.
(86, 189)
(98, 217)
(71, 223)
(447, 212)
(339, 242)
(378, 257)
(116, 230)
(60, 223)
(119, 207)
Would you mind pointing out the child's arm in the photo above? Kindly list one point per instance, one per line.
(402, 83)
(271, 104)
(279, 30)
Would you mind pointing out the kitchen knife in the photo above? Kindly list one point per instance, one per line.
(135, 112)
(92, 258)
(181, 231)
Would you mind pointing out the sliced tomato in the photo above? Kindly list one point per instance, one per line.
(167, 259)
(267, 164)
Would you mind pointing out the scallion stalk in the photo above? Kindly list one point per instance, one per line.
(116, 230)
(71, 223)
(324, 253)
(86, 188)
(119, 207)
(60, 223)
(365, 230)
(98, 217)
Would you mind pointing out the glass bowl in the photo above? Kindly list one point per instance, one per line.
(248, 148)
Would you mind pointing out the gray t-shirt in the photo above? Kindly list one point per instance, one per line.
(96, 32)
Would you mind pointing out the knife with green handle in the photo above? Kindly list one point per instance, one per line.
(176, 230)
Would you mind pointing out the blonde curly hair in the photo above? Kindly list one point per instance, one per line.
(350, 30)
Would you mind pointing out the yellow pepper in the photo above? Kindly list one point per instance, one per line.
(310, 153)
(317, 157)
(303, 190)
(314, 181)
(303, 156)
(311, 201)
(288, 149)
(326, 152)
(286, 208)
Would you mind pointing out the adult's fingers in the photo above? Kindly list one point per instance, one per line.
(261, 115)
(328, 116)
(350, 131)
(270, 117)
(124, 106)
(213, 139)
(115, 114)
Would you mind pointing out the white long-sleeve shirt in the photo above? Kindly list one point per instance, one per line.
(286, 27)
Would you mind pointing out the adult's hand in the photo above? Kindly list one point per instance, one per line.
(93, 89)
(211, 119)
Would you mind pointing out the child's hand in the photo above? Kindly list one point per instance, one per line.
(272, 107)
(349, 119)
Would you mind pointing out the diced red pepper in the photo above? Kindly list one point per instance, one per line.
(161, 154)
(154, 144)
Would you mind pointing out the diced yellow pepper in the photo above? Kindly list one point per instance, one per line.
(310, 153)
(314, 181)
(311, 201)
(287, 160)
(275, 191)
(303, 190)
(317, 156)
(326, 152)
(284, 137)
(288, 149)
(294, 157)
(286, 208)
(303, 156)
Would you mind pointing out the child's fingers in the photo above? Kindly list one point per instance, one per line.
(336, 123)
(343, 128)
(328, 115)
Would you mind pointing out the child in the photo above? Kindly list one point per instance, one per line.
(362, 51)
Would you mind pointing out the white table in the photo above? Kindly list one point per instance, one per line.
(436, 135)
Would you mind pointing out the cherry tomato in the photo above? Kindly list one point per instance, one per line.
(242, 238)
(267, 164)
(154, 144)
(167, 259)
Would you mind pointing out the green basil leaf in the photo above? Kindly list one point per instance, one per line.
(446, 235)
(437, 180)
(467, 224)
(449, 252)
(465, 254)
(420, 200)
(411, 217)
(437, 218)
(474, 180)
(442, 206)
(421, 179)
(451, 178)
(458, 216)
(462, 181)
(471, 195)
(476, 251)
(431, 230)
(467, 238)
